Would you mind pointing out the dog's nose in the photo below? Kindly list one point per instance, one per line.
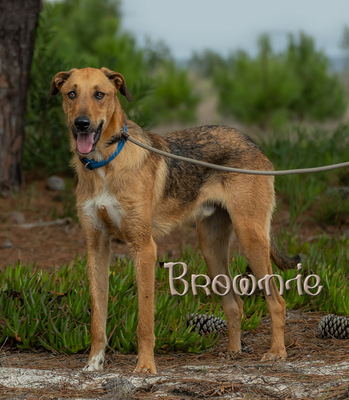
(82, 123)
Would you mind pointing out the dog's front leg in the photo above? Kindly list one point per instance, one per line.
(145, 257)
(98, 257)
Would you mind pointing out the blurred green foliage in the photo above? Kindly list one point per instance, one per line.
(271, 88)
(176, 92)
(81, 33)
(301, 147)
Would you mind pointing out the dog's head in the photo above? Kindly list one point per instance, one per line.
(92, 109)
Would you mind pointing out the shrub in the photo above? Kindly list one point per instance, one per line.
(173, 98)
(321, 96)
(257, 90)
(271, 88)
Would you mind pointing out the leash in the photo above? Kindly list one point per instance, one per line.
(238, 170)
(92, 164)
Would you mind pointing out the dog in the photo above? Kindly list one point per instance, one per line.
(139, 196)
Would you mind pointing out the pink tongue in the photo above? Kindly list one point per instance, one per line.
(85, 142)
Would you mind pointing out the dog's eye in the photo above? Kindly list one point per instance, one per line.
(99, 95)
(71, 95)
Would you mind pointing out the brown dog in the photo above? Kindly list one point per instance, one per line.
(140, 196)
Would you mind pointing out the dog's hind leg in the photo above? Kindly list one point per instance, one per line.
(98, 257)
(251, 217)
(214, 234)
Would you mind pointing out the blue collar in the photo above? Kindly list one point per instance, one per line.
(93, 164)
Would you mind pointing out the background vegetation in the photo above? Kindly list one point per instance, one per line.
(270, 90)
(273, 88)
(267, 90)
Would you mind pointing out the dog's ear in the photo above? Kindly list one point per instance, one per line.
(119, 82)
(58, 80)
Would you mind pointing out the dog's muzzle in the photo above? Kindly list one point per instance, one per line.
(85, 135)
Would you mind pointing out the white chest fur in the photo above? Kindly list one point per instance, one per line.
(103, 201)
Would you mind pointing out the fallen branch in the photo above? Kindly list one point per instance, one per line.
(42, 224)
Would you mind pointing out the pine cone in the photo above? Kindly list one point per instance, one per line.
(205, 323)
(334, 326)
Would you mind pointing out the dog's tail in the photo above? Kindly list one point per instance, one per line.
(281, 260)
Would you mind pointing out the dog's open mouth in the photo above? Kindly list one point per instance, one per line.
(86, 141)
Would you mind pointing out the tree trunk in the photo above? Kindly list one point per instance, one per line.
(18, 21)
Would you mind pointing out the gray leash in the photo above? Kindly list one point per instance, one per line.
(238, 170)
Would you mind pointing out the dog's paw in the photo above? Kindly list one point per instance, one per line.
(145, 368)
(273, 356)
(95, 364)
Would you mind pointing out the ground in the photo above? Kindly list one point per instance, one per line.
(315, 369)
(36, 227)
(39, 226)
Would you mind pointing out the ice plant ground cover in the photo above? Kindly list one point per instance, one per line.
(51, 309)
